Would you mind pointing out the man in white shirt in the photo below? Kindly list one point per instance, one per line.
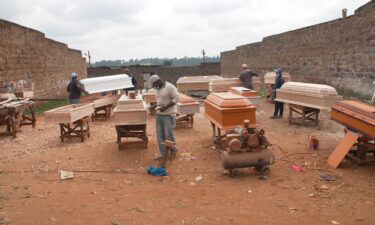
(166, 110)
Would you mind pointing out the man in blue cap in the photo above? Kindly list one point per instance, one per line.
(279, 106)
(75, 89)
(166, 110)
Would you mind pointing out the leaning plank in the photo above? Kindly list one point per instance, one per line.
(342, 149)
(69, 113)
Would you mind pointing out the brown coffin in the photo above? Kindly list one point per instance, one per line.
(245, 92)
(356, 115)
(195, 83)
(228, 110)
(150, 96)
(187, 105)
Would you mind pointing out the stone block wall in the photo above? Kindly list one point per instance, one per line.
(30, 61)
(340, 53)
(170, 74)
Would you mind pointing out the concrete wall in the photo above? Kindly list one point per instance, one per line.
(30, 61)
(171, 74)
(340, 53)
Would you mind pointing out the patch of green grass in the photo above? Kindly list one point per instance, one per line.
(50, 105)
(262, 92)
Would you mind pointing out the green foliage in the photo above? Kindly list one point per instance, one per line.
(186, 61)
(51, 105)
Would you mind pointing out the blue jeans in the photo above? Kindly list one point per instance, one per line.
(74, 101)
(164, 131)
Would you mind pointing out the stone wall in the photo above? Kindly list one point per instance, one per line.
(30, 61)
(171, 74)
(340, 53)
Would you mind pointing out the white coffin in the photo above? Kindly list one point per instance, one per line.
(195, 83)
(69, 113)
(318, 96)
(107, 83)
(270, 77)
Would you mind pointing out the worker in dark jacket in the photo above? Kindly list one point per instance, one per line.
(279, 106)
(75, 89)
(134, 81)
(246, 76)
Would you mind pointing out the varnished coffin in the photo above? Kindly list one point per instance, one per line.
(356, 115)
(187, 105)
(247, 93)
(195, 83)
(99, 100)
(311, 95)
(69, 113)
(270, 77)
(150, 96)
(130, 111)
(228, 110)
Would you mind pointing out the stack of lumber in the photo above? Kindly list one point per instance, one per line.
(228, 110)
(69, 113)
(195, 83)
(355, 115)
(270, 77)
(12, 105)
(252, 95)
(187, 105)
(317, 96)
(107, 83)
(150, 96)
(130, 111)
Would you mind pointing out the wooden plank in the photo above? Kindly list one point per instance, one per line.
(342, 149)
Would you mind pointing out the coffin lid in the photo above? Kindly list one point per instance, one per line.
(308, 88)
(131, 103)
(360, 110)
(243, 91)
(196, 79)
(228, 100)
(107, 83)
(184, 99)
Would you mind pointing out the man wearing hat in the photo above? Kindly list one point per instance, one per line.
(246, 76)
(75, 89)
(166, 110)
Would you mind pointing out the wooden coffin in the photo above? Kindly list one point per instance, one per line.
(187, 105)
(150, 96)
(125, 103)
(223, 85)
(356, 115)
(130, 116)
(247, 93)
(317, 96)
(69, 113)
(228, 110)
(99, 100)
(270, 77)
(195, 83)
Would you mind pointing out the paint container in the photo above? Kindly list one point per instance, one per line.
(314, 143)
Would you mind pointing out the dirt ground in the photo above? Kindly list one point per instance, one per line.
(117, 189)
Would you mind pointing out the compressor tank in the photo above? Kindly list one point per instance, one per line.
(231, 160)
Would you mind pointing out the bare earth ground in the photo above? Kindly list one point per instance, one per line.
(125, 194)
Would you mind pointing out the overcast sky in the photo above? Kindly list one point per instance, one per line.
(124, 29)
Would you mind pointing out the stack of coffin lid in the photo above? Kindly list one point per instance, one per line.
(311, 95)
(225, 84)
(69, 113)
(107, 83)
(130, 111)
(270, 77)
(195, 83)
(100, 100)
(247, 93)
(150, 96)
(187, 105)
(356, 115)
(228, 110)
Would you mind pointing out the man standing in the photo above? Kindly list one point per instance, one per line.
(246, 76)
(166, 110)
(279, 106)
(134, 81)
(75, 89)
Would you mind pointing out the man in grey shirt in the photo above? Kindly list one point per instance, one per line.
(166, 110)
(246, 76)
